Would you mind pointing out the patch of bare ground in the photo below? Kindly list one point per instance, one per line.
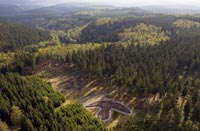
(88, 89)
(70, 81)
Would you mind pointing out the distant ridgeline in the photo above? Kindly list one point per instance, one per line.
(113, 30)
(14, 36)
(31, 104)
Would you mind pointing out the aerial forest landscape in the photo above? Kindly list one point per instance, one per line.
(98, 65)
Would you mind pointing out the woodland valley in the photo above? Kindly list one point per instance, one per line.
(79, 67)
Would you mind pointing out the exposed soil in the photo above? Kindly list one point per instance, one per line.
(70, 80)
(88, 89)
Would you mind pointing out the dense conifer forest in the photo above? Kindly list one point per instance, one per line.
(149, 55)
(30, 104)
(14, 36)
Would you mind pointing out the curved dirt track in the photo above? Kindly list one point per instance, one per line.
(107, 106)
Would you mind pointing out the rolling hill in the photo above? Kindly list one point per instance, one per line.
(87, 9)
(14, 36)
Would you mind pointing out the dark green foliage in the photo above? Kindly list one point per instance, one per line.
(166, 69)
(49, 22)
(148, 69)
(169, 68)
(73, 114)
(92, 31)
(14, 36)
(108, 31)
(148, 126)
(100, 33)
(38, 102)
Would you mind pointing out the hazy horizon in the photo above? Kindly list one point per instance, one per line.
(129, 2)
(125, 3)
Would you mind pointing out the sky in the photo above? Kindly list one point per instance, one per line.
(130, 2)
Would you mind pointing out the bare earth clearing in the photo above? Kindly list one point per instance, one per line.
(89, 90)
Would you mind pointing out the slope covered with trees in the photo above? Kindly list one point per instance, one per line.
(143, 34)
(187, 28)
(147, 56)
(170, 69)
(152, 65)
(14, 36)
(30, 104)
